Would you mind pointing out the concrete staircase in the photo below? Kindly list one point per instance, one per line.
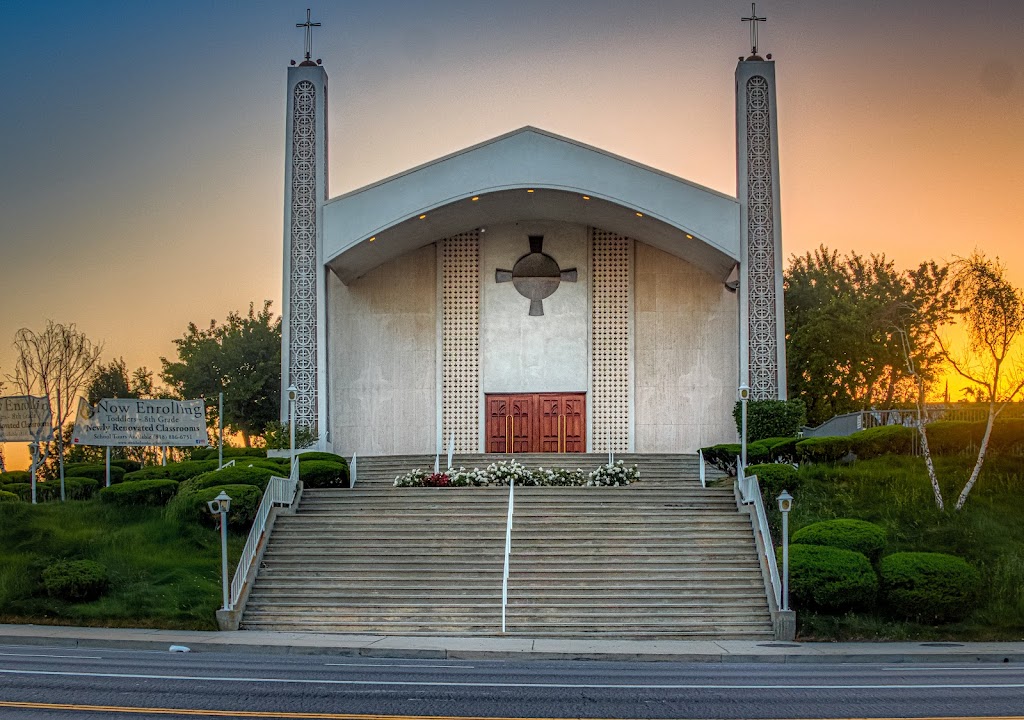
(662, 558)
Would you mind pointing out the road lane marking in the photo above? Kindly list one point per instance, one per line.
(346, 716)
(77, 657)
(395, 665)
(557, 686)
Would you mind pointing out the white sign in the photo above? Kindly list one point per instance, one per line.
(130, 422)
(25, 418)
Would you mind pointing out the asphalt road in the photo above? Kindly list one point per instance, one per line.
(38, 682)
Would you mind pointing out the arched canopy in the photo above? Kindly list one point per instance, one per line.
(529, 174)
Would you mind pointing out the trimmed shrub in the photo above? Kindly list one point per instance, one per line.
(15, 476)
(823, 449)
(8, 497)
(210, 453)
(173, 471)
(774, 478)
(80, 488)
(235, 475)
(44, 490)
(952, 437)
(928, 587)
(279, 466)
(323, 474)
(883, 440)
(127, 465)
(771, 418)
(76, 580)
(1007, 435)
(140, 492)
(784, 451)
(829, 579)
(245, 501)
(847, 534)
(96, 471)
(722, 456)
(326, 456)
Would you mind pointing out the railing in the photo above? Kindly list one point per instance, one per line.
(849, 423)
(508, 550)
(280, 491)
(752, 494)
(703, 476)
(352, 473)
(229, 463)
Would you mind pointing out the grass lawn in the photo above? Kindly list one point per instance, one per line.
(894, 492)
(164, 574)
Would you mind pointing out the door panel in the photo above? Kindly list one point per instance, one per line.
(536, 422)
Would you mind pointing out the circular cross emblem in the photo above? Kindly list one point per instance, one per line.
(536, 275)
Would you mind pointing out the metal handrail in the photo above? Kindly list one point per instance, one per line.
(280, 491)
(229, 463)
(508, 550)
(352, 473)
(703, 477)
(762, 529)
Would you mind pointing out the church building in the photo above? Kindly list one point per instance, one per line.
(530, 293)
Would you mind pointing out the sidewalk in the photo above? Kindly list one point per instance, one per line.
(510, 648)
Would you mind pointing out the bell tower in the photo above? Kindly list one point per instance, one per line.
(305, 190)
(762, 312)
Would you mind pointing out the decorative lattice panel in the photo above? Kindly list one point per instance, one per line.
(611, 317)
(761, 260)
(460, 365)
(302, 311)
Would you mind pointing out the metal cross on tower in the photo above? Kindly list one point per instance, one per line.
(309, 34)
(754, 20)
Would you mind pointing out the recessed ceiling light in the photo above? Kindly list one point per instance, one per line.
(586, 197)
(423, 217)
(373, 238)
(475, 198)
(689, 236)
(639, 214)
(530, 191)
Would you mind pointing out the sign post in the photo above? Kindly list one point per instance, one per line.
(26, 418)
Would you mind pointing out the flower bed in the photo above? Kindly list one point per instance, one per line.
(504, 473)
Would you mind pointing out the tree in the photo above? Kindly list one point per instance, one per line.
(113, 381)
(242, 359)
(992, 312)
(54, 363)
(848, 323)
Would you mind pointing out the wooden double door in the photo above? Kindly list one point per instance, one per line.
(537, 422)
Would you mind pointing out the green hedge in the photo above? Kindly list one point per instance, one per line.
(883, 440)
(180, 471)
(846, 534)
(76, 580)
(210, 453)
(8, 497)
(774, 478)
(45, 491)
(823, 449)
(127, 465)
(323, 474)
(15, 476)
(233, 475)
(140, 492)
(80, 488)
(326, 456)
(722, 456)
(952, 437)
(96, 471)
(245, 501)
(771, 418)
(830, 580)
(928, 587)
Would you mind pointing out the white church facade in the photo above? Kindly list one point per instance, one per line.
(530, 293)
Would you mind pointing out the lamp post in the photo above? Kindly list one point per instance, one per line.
(293, 393)
(220, 506)
(785, 505)
(744, 397)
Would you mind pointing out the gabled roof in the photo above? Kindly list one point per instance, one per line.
(571, 182)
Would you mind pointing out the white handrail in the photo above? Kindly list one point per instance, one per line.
(508, 550)
(352, 472)
(280, 491)
(229, 463)
(766, 537)
(703, 479)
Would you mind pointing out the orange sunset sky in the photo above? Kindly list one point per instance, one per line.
(142, 144)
